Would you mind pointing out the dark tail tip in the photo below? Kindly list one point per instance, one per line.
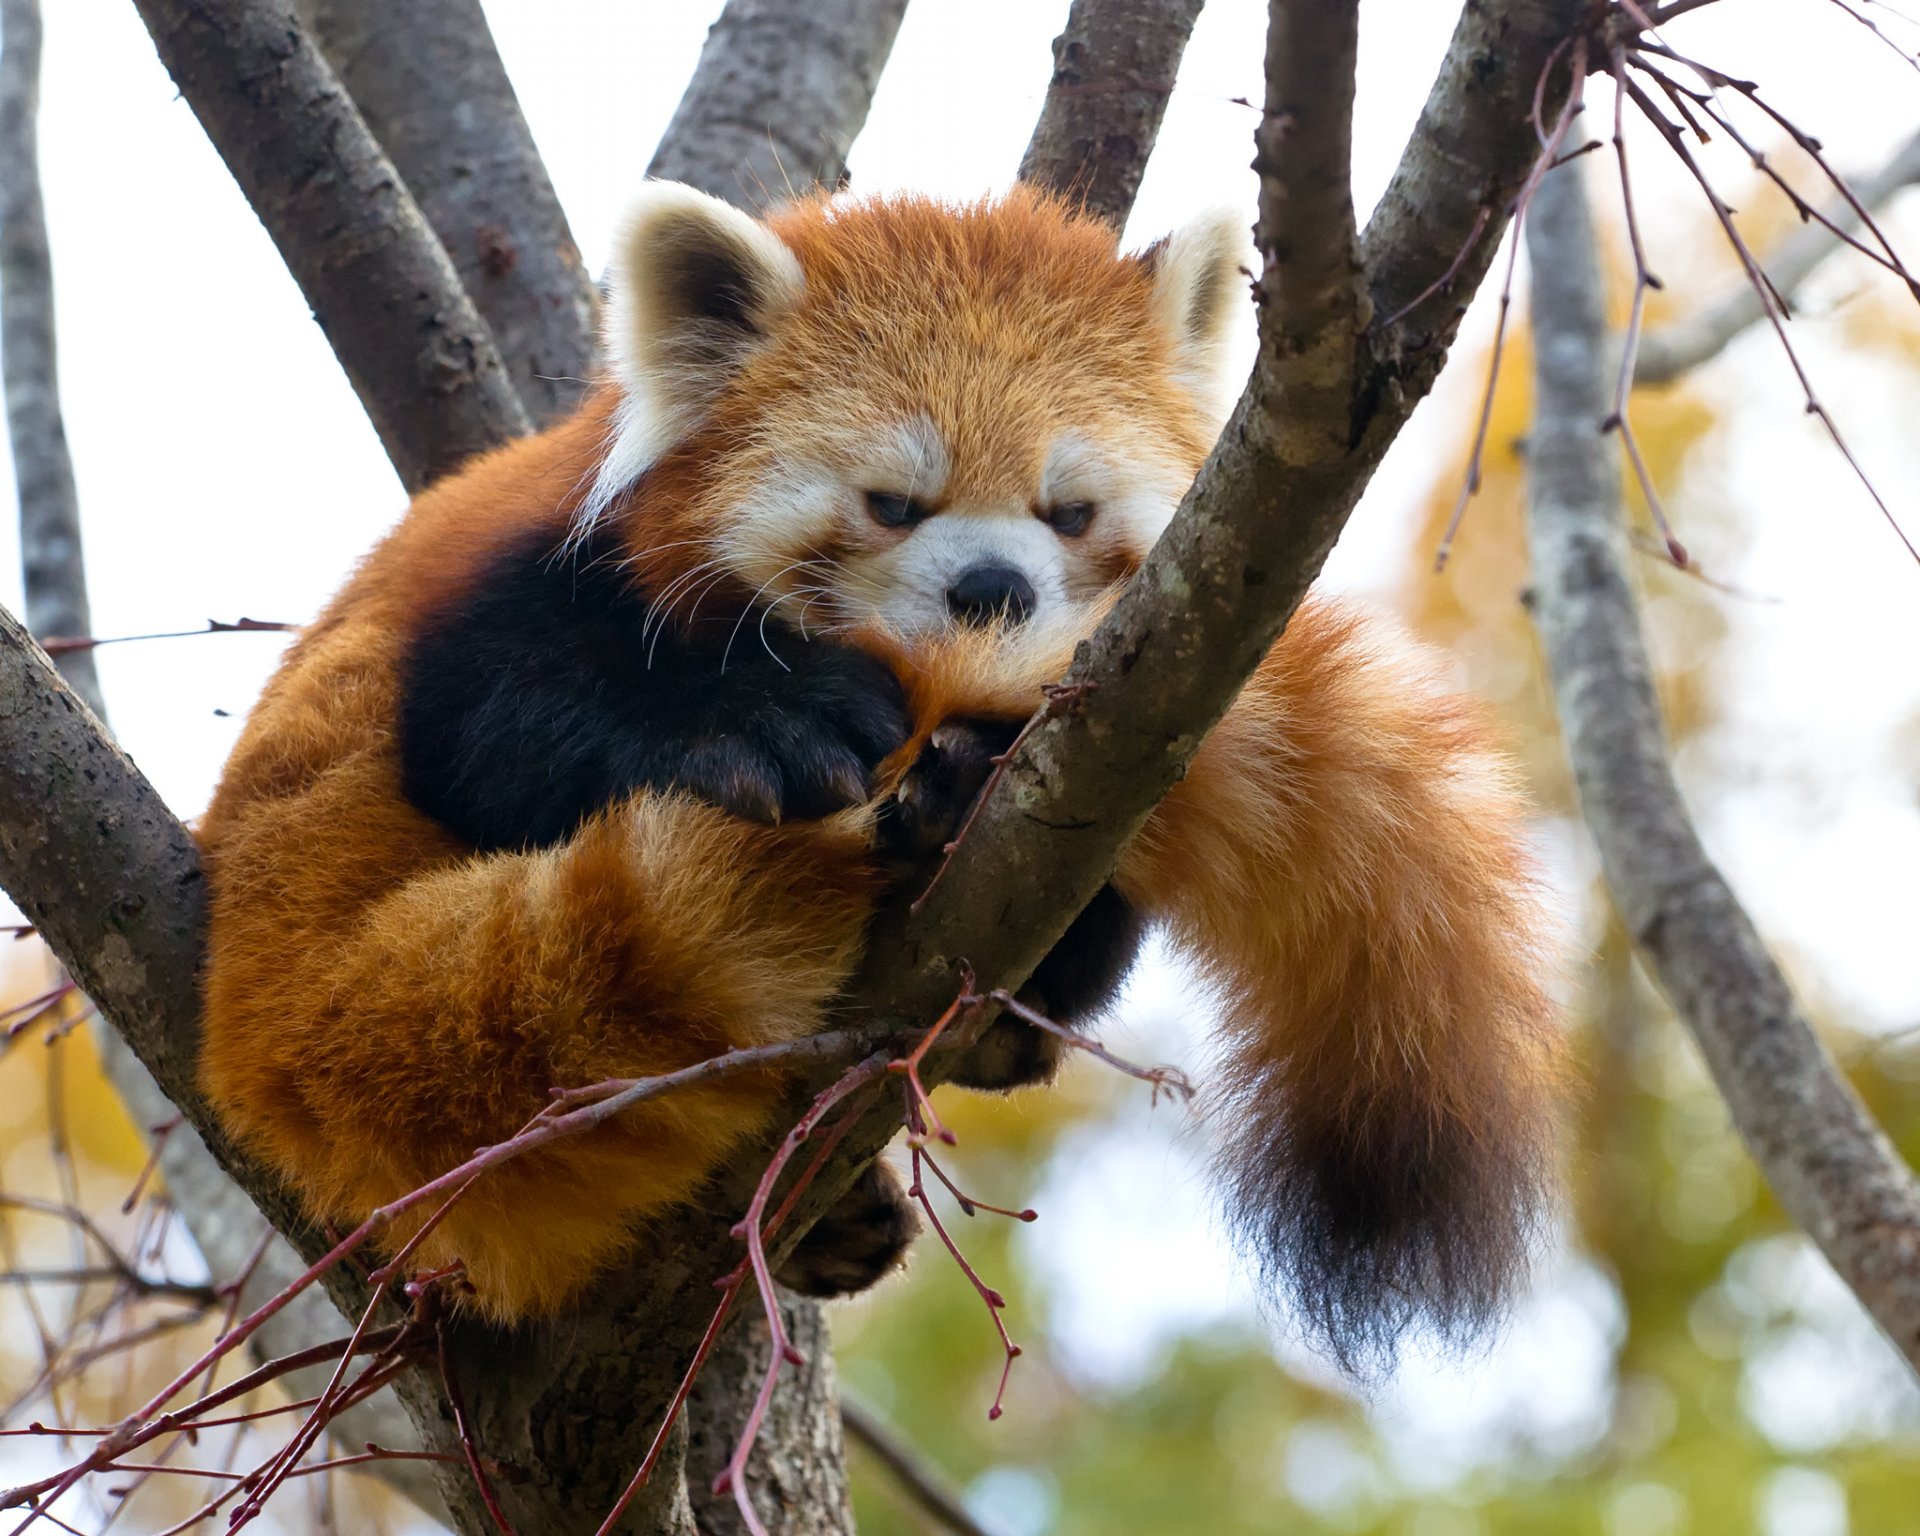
(1384, 1216)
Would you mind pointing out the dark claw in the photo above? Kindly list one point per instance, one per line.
(932, 800)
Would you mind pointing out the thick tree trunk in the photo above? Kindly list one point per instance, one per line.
(797, 1474)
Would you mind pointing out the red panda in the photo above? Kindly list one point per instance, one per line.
(599, 763)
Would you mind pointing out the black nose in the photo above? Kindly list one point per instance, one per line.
(989, 592)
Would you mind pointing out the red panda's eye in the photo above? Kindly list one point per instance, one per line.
(1069, 519)
(894, 511)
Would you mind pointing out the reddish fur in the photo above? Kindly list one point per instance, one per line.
(1344, 858)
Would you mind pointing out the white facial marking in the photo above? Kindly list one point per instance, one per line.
(908, 458)
(1128, 480)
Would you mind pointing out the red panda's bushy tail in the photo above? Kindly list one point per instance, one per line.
(1345, 860)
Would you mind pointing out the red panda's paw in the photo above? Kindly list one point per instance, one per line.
(1081, 977)
(925, 813)
(862, 1239)
(1076, 983)
(799, 743)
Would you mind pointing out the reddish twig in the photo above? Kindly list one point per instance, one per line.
(1619, 419)
(468, 1447)
(1770, 299)
(1169, 1080)
(970, 1206)
(909, 1065)
(160, 1133)
(1550, 148)
(995, 1302)
(733, 1477)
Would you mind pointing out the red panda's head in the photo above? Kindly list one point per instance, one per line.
(906, 412)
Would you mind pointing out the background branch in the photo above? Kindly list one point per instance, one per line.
(1113, 71)
(1686, 343)
(410, 340)
(428, 80)
(778, 96)
(50, 548)
(1834, 1172)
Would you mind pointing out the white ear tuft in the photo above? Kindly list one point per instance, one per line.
(1198, 289)
(695, 286)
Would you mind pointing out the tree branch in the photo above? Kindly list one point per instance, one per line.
(798, 1470)
(779, 94)
(1113, 71)
(417, 353)
(1427, 246)
(1703, 334)
(1834, 1172)
(429, 82)
(50, 550)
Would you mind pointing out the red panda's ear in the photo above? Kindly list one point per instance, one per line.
(1198, 290)
(695, 286)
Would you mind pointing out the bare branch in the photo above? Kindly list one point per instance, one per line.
(779, 94)
(416, 351)
(1685, 344)
(1113, 71)
(429, 82)
(98, 864)
(1314, 303)
(1832, 1169)
(50, 549)
(923, 1482)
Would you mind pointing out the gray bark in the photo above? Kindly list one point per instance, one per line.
(429, 82)
(1833, 1171)
(414, 348)
(1113, 70)
(1685, 344)
(797, 1472)
(779, 94)
(50, 550)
